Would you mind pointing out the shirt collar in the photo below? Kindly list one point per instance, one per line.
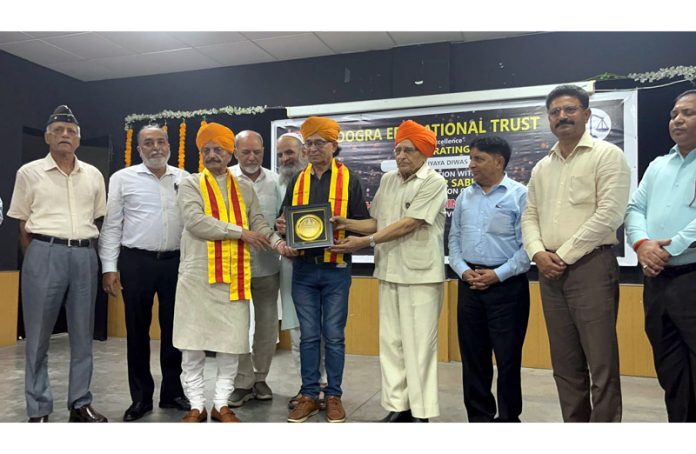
(50, 163)
(237, 171)
(586, 141)
(504, 183)
(421, 173)
(142, 168)
(675, 150)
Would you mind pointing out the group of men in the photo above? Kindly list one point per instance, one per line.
(211, 244)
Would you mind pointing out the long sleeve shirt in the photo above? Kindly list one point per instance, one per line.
(486, 229)
(141, 212)
(664, 206)
(575, 204)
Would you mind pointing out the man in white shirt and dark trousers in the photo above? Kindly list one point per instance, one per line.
(139, 250)
(250, 381)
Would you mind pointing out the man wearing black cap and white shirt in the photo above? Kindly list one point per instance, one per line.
(57, 199)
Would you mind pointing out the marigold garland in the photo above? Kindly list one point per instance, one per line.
(182, 144)
(200, 155)
(129, 140)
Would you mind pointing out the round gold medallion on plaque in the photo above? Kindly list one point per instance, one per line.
(309, 227)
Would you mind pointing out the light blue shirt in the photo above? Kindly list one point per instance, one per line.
(660, 210)
(486, 229)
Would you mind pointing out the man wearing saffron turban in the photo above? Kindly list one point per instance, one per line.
(222, 219)
(407, 231)
(321, 279)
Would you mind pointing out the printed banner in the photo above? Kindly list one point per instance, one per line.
(367, 142)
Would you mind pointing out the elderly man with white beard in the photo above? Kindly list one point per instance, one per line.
(250, 382)
(139, 250)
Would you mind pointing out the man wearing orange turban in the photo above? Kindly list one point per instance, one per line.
(407, 231)
(222, 218)
(321, 279)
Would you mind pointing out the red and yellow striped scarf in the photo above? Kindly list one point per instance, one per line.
(229, 261)
(338, 198)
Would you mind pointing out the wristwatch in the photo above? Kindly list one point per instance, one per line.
(371, 239)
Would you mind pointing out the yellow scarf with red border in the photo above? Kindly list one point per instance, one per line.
(338, 199)
(229, 261)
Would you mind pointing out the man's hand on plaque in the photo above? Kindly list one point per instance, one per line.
(350, 244)
(339, 222)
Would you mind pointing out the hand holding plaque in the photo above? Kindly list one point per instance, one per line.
(308, 226)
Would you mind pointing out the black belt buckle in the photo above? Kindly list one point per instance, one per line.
(78, 243)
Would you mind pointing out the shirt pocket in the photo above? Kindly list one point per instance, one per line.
(502, 222)
(582, 190)
(418, 252)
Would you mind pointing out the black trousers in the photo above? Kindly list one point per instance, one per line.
(142, 275)
(670, 323)
(493, 321)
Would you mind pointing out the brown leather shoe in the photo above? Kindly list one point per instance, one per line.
(292, 403)
(306, 407)
(334, 409)
(86, 414)
(195, 415)
(224, 415)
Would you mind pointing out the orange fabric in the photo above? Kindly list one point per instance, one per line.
(423, 138)
(327, 128)
(215, 132)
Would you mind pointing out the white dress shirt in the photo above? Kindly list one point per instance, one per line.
(267, 187)
(141, 212)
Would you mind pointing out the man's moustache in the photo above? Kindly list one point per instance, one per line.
(564, 122)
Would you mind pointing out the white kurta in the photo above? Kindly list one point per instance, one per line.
(204, 316)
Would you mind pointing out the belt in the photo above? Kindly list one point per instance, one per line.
(159, 255)
(314, 260)
(597, 249)
(69, 243)
(478, 266)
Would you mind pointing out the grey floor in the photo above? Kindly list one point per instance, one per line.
(642, 397)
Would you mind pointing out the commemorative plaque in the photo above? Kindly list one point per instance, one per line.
(308, 226)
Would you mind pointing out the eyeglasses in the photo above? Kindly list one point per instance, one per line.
(315, 143)
(218, 151)
(569, 110)
(407, 150)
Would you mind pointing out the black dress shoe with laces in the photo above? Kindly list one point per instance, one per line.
(179, 403)
(136, 411)
(38, 419)
(398, 416)
(86, 414)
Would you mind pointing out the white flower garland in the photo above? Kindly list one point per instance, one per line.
(182, 114)
(687, 72)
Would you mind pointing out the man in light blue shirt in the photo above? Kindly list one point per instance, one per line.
(661, 226)
(486, 252)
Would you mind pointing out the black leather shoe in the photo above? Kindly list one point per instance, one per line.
(398, 416)
(38, 419)
(180, 403)
(86, 414)
(136, 411)
(414, 419)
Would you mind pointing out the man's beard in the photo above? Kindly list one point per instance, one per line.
(289, 171)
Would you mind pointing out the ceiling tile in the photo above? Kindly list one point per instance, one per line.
(264, 35)
(158, 63)
(344, 42)
(9, 37)
(39, 52)
(297, 46)
(410, 38)
(83, 70)
(88, 45)
(42, 35)
(144, 42)
(198, 39)
(233, 54)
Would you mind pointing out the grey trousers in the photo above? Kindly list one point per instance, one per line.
(581, 310)
(254, 366)
(51, 274)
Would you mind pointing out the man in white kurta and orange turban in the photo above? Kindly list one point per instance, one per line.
(407, 232)
(222, 219)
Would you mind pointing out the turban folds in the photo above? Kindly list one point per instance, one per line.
(215, 132)
(327, 128)
(423, 138)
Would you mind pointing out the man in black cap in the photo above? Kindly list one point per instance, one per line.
(57, 200)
